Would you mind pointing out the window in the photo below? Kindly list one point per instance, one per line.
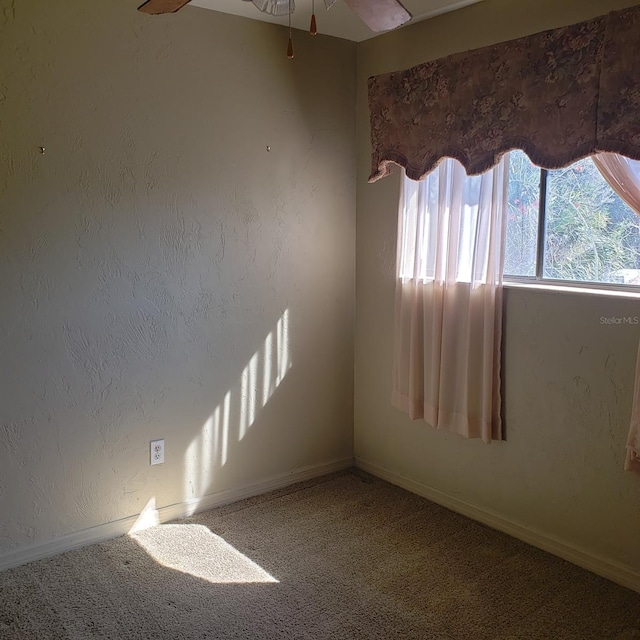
(568, 225)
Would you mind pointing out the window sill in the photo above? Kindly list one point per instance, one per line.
(616, 291)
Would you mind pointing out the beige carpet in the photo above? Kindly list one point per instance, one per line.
(347, 556)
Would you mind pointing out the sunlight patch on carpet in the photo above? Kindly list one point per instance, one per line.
(194, 549)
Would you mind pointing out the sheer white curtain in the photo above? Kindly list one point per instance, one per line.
(632, 459)
(623, 175)
(448, 311)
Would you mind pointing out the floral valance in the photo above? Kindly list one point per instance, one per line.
(559, 95)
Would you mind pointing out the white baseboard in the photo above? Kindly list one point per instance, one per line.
(165, 514)
(610, 569)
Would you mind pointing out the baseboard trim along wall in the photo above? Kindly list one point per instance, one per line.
(166, 514)
(604, 567)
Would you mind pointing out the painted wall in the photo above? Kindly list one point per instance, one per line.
(163, 275)
(568, 378)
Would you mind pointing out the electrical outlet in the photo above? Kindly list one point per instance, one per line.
(157, 451)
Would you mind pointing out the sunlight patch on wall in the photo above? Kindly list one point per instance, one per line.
(148, 517)
(194, 549)
(238, 411)
(274, 368)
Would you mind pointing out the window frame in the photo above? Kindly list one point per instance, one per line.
(540, 281)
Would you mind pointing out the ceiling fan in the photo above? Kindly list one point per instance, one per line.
(378, 15)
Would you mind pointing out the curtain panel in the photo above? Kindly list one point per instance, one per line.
(448, 308)
(559, 95)
(632, 459)
(623, 175)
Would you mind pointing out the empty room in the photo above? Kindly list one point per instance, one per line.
(321, 335)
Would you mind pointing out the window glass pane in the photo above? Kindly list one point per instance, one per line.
(522, 216)
(591, 234)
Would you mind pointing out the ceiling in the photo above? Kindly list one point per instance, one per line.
(339, 21)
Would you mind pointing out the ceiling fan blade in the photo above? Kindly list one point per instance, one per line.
(155, 7)
(275, 7)
(380, 15)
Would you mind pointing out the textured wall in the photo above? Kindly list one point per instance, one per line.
(161, 273)
(568, 378)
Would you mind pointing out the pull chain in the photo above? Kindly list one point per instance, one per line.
(313, 29)
(290, 46)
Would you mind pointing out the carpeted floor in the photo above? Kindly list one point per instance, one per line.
(346, 556)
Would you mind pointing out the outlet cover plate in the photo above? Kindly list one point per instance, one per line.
(157, 451)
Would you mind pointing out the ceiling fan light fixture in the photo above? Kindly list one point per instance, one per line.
(275, 7)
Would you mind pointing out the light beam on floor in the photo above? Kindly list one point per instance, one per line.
(194, 549)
